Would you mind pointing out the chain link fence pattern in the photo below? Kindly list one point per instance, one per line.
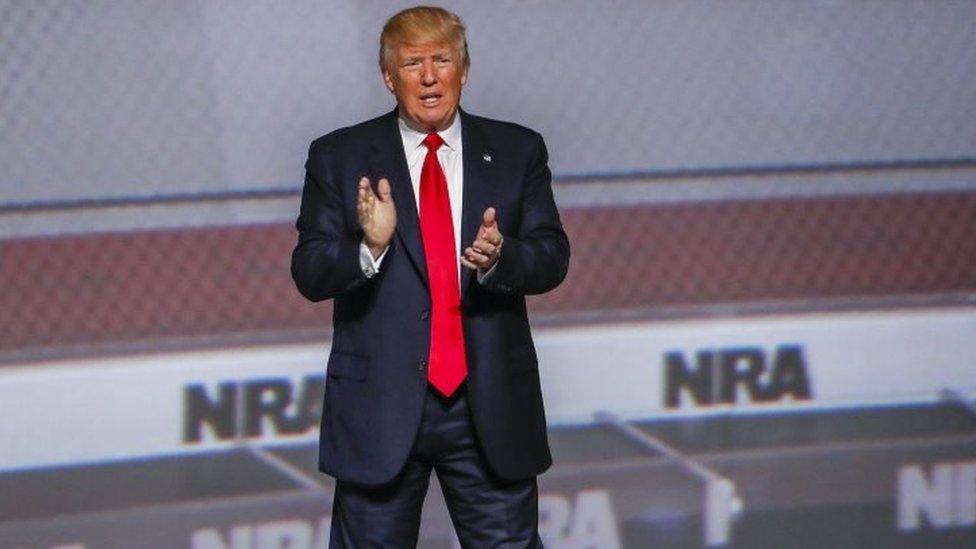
(107, 99)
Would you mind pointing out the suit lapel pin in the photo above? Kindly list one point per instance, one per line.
(486, 157)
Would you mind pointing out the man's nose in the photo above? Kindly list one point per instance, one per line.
(428, 75)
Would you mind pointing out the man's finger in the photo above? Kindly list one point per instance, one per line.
(384, 190)
(484, 247)
(493, 237)
(475, 256)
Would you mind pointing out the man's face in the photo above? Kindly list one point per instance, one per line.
(427, 81)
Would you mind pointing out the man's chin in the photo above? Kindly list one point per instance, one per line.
(437, 121)
(430, 121)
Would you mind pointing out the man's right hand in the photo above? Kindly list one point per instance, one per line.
(377, 215)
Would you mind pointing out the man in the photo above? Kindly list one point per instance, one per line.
(428, 226)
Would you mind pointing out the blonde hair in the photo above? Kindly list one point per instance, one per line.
(422, 25)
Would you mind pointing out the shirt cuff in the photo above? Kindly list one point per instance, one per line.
(485, 276)
(369, 265)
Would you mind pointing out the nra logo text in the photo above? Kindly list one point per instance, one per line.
(294, 533)
(943, 497)
(252, 408)
(566, 521)
(586, 520)
(723, 376)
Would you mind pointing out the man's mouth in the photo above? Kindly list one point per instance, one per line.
(430, 99)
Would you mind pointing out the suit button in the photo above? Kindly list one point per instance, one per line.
(422, 366)
(425, 315)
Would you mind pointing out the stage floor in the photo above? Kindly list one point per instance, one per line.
(816, 478)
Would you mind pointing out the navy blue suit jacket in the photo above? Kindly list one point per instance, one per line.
(376, 379)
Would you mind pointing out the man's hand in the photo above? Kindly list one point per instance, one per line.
(487, 246)
(377, 215)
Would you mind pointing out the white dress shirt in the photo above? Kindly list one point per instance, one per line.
(450, 157)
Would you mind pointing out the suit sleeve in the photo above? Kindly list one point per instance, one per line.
(325, 262)
(535, 256)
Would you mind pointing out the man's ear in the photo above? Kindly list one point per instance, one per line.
(464, 76)
(388, 79)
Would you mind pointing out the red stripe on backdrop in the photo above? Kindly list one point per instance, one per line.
(152, 285)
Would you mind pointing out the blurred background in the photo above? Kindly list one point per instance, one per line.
(766, 338)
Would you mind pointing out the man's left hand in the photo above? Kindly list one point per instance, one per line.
(487, 246)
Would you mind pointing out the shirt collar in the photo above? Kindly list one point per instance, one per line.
(451, 134)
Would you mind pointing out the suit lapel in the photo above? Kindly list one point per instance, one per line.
(477, 187)
(388, 160)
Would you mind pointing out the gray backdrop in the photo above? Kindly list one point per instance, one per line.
(105, 98)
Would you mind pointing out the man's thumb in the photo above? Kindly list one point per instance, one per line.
(488, 219)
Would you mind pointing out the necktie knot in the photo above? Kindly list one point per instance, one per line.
(433, 142)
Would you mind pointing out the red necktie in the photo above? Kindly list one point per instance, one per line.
(447, 363)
